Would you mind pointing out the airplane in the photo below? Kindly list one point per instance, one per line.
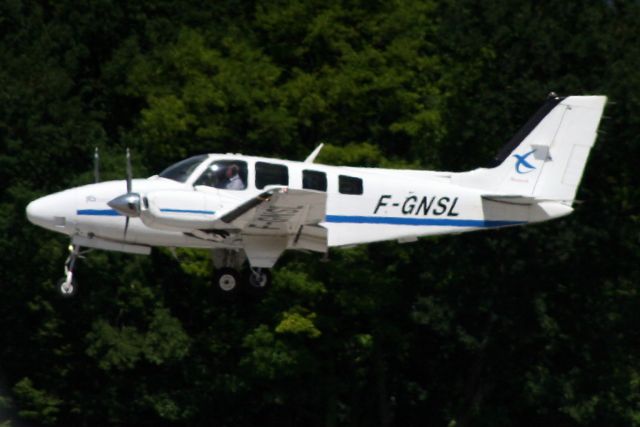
(251, 209)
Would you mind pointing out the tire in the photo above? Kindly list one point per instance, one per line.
(71, 290)
(227, 281)
(258, 282)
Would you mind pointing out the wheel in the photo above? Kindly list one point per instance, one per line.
(68, 286)
(227, 280)
(259, 280)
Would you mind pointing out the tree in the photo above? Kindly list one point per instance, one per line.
(493, 328)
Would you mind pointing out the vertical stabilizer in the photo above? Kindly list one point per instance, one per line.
(546, 158)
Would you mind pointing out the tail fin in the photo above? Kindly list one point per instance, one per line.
(546, 158)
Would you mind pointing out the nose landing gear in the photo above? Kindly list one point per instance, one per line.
(68, 284)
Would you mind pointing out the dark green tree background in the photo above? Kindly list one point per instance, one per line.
(530, 326)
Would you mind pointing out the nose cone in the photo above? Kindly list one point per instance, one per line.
(33, 212)
(37, 212)
(50, 212)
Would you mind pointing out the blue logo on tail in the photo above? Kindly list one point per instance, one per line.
(522, 165)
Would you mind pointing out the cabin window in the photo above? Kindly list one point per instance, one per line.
(271, 174)
(349, 185)
(314, 180)
(181, 171)
(225, 175)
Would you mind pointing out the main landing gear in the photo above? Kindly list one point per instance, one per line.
(259, 279)
(230, 281)
(228, 278)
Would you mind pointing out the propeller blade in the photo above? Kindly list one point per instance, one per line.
(126, 227)
(96, 165)
(129, 173)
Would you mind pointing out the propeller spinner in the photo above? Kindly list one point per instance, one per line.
(127, 204)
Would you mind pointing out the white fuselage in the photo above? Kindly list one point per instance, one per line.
(387, 205)
(260, 207)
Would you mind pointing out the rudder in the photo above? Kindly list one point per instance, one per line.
(570, 148)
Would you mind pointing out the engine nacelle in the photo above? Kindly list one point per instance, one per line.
(179, 210)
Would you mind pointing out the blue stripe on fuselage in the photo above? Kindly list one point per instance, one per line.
(98, 212)
(193, 211)
(111, 212)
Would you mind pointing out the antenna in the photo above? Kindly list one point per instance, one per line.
(312, 157)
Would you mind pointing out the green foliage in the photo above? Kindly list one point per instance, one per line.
(296, 323)
(195, 262)
(114, 348)
(535, 324)
(122, 347)
(202, 89)
(6, 404)
(354, 154)
(36, 405)
(269, 357)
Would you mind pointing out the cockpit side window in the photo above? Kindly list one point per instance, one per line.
(225, 174)
(271, 174)
(181, 171)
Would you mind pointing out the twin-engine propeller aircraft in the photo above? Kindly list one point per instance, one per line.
(254, 208)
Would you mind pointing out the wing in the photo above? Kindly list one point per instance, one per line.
(280, 219)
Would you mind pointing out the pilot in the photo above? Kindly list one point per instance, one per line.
(234, 182)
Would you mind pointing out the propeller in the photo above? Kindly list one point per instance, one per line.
(96, 166)
(127, 204)
(129, 173)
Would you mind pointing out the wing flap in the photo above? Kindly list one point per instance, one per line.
(311, 237)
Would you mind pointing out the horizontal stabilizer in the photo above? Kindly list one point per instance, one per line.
(511, 199)
(518, 199)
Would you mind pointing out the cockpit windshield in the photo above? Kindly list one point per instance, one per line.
(225, 174)
(181, 171)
